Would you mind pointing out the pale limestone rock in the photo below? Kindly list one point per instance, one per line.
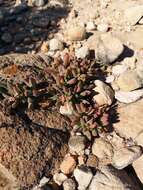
(138, 167)
(82, 52)
(105, 94)
(83, 177)
(66, 109)
(130, 62)
(103, 27)
(55, 44)
(133, 14)
(141, 21)
(90, 26)
(44, 181)
(128, 97)
(59, 178)
(126, 156)
(119, 69)
(108, 178)
(77, 144)
(102, 149)
(76, 33)
(130, 124)
(108, 48)
(69, 184)
(129, 81)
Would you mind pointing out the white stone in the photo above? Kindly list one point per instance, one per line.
(105, 94)
(38, 3)
(54, 3)
(129, 81)
(87, 151)
(102, 149)
(59, 178)
(140, 69)
(138, 167)
(110, 79)
(130, 123)
(108, 178)
(141, 21)
(130, 62)
(103, 27)
(128, 97)
(126, 156)
(90, 26)
(76, 33)
(82, 52)
(44, 181)
(115, 86)
(77, 144)
(83, 177)
(36, 188)
(133, 14)
(119, 69)
(18, 2)
(55, 45)
(69, 184)
(67, 109)
(116, 141)
(108, 48)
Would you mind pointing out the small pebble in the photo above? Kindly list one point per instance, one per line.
(82, 159)
(83, 176)
(77, 144)
(90, 26)
(43, 181)
(39, 3)
(45, 47)
(76, 33)
(87, 151)
(59, 178)
(82, 52)
(66, 109)
(68, 165)
(55, 45)
(69, 184)
(141, 21)
(92, 161)
(102, 27)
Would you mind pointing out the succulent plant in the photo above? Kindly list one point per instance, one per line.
(66, 79)
(27, 93)
(74, 79)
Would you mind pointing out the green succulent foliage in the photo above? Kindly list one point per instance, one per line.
(68, 79)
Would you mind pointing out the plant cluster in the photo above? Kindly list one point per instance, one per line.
(65, 80)
(74, 79)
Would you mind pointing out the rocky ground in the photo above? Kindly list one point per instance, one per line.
(71, 88)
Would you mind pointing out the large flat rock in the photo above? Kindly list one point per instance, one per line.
(138, 167)
(130, 124)
(111, 179)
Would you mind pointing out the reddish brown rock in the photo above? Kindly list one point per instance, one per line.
(68, 165)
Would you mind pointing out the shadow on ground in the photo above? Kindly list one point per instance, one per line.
(24, 28)
(113, 116)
